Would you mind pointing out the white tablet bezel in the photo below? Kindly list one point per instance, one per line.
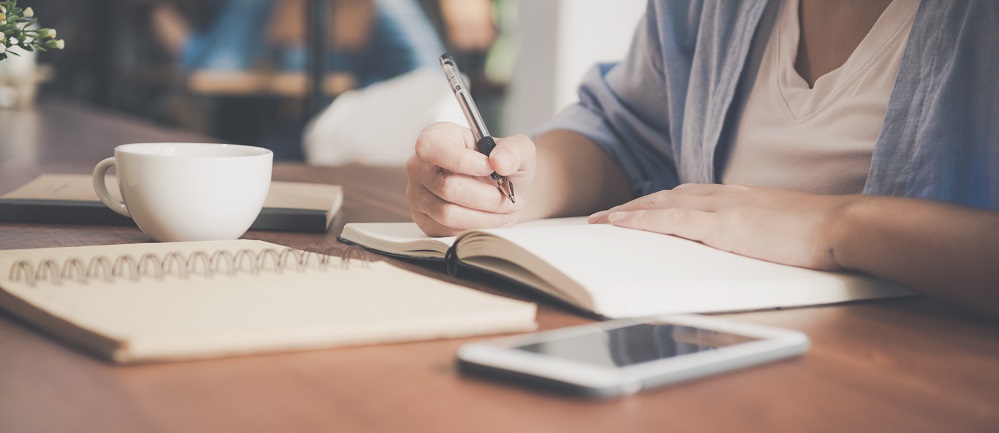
(498, 355)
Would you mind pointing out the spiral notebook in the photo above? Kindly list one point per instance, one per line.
(171, 301)
(618, 272)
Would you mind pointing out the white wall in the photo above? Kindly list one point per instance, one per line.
(558, 41)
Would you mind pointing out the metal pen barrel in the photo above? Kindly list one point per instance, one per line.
(484, 142)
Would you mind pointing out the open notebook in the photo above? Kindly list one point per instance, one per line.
(618, 272)
(165, 301)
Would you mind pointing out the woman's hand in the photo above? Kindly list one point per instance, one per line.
(930, 247)
(781, 226)
(450, 188)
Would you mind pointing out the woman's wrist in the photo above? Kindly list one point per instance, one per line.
(844, 234)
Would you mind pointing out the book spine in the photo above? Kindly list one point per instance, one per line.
(451, 260)
(95, 213)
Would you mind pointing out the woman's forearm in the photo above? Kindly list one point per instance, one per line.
(945, 251)
(574, 177)
(940, 250)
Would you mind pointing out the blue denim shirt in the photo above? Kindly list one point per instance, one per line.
(663, 112)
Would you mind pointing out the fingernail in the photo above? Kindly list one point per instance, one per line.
(617, 216)
(596, 217)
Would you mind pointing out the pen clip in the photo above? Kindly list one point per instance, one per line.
(451, 73)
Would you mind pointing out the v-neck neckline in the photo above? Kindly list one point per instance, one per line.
(802, 100)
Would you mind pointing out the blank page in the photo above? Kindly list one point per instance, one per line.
(619, 272)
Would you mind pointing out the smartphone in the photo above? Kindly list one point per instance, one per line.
(625, 356)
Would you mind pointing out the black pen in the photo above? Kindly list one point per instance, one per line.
(484, 143)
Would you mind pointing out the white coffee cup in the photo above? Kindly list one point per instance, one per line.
(188, 191)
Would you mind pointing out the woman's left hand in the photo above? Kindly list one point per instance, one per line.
(781, 226)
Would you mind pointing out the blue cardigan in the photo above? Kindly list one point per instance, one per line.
(663, 112)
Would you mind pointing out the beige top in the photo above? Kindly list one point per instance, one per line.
(817, 139)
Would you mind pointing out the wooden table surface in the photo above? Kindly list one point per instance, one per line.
(912, 365)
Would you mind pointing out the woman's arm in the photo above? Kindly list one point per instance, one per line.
(945, 251)
(940, 250)
(574, 177)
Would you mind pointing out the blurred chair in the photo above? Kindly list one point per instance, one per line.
(378, 125)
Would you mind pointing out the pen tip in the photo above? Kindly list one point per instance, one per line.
(505, 186)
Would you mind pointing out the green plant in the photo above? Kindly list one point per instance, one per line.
(16, 28)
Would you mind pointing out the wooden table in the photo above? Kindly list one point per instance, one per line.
(911, 365)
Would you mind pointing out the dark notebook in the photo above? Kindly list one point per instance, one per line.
(70, 199)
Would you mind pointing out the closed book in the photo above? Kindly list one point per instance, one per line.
(70, 199)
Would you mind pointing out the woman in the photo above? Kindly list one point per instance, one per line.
(810, 114)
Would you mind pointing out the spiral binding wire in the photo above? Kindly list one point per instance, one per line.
(178, 265)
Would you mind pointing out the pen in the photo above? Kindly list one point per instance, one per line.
(484, 143)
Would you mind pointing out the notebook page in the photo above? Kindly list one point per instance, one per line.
(407, 239)
(634, 273)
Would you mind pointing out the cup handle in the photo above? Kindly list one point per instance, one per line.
(102, 189)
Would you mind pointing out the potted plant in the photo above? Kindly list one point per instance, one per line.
(18, 30)
(21, 38)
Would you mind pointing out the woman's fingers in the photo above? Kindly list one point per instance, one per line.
(771, 224)
(451, 147)
(686, 223)
(687, 196)
(450, 186)
(478, 193)
(444, 218)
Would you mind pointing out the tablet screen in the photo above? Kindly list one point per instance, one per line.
(635, 344)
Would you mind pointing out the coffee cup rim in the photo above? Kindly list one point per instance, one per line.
(145, 148)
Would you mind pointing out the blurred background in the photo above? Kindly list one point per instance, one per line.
(323, 81)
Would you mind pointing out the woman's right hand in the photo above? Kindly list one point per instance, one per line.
(450, 188)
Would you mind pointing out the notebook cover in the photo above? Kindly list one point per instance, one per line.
(21, 206)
